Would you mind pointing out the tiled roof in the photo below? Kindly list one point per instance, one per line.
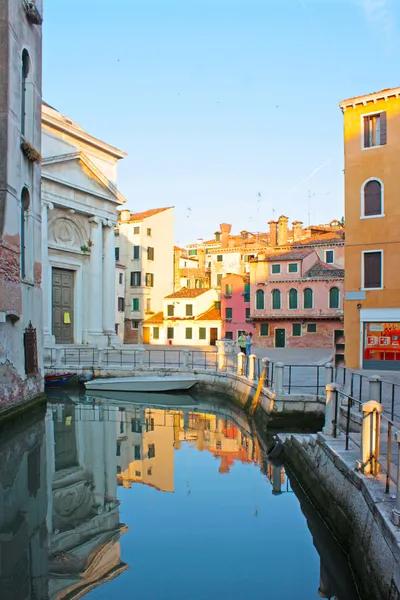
(188, 292)
(156, 319)
(322, 239)
(140, 216)
(372, 96)
(321, 269)
(212, 314)
(293, 255)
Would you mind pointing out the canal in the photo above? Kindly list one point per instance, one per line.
(166, 498)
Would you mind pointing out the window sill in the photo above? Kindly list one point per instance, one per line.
(373, 147)
(363, 217)
(364, 289)
(28, 282)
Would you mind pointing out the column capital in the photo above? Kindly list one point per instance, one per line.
(47, 204)
(95, 220)
(109, 223)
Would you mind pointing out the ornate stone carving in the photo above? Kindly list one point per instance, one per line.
(67, 231)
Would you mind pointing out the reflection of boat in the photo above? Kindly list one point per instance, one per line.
(142, 384)
(149, 399)
(58, 380)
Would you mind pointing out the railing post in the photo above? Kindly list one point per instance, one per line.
(265, 363)
(370, 437)
(240, 364)
(396, 511)
(141, 353)
(186, 358)
(331, 409)
(276, 480)
(100, 360)
(328, 373)
(278, 376)
(374, 388)
(252, 367)
(221, 358)
(58, 356)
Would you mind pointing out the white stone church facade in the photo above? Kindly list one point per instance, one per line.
(79, 213)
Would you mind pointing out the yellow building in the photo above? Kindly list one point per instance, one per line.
(372, 217)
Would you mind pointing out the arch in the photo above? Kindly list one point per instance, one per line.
(293, 299)
(372, 196)
(308, 298)
(334, 297)
(25, 204)
(276, 299)
(260, 300)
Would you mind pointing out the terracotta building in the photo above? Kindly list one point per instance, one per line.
(235, 306)
(372, 214)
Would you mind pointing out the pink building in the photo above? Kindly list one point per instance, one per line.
(297, 298)
(235, 306)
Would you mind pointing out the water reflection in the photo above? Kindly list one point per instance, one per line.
(60, 472)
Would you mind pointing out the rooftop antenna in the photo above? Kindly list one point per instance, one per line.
(310, 195)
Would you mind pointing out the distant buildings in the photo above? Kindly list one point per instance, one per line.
(145, 246)
(372, 216)
(120, 273)
(21, 341)
(236, 306)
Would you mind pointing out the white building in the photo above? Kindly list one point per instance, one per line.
(21, 360)
(120, 271)
(145, 245)
(79, 202)
(191, 317)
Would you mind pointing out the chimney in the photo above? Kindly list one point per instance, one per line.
(297, 230)
(225, 231)
(125, 215)
(282, 230)
(272, 232)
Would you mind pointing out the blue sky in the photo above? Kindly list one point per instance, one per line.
(217, 101)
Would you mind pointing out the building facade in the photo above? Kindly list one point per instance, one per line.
(145, 245)
(190, 271)
(120, 271)
(236, 306)
(296, 300)
(79, 213)
(372, 215)
(21, 357)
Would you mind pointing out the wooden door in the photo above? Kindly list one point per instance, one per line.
(146, 335)
(63, 306)
(213, 335)
(280, 338)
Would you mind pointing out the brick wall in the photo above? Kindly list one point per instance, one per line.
(322, 339)
(131, 336)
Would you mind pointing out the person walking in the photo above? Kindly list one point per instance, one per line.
(249, 342)
(242, 342)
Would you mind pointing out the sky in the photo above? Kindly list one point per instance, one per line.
(227, 109)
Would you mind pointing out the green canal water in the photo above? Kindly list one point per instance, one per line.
(161, 498)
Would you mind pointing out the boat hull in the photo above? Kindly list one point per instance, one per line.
(58, 380)
(141, 384)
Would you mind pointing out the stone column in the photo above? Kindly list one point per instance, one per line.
(331, 409)
(96, 280)
(278, 378)
(48, 339)
(109, 293)
(370, 437)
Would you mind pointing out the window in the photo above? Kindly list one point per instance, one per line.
(372, 270)
(150, 424)
(217, 237)
(136, 426)
(334, 298)
(136, 230)
(293, 268)
(170, 310)
(198, 284)
(24, 75)
(25, 203)
(219, 277)
(116, 253)
(149, 231)
(156, 333)
(296, 329)
(293, 299)
(138, 474)
(329, 257)
(136, 453)
(134, 325)
(276, 300)
(375, 130)
(220, 258)
(248, 312)
(229, 335)
(264, 329)
(202, 333)
(150, 253)
(136, 277)
(121, 304)
(152, 451)
(260, 300)
(149, 279)
(247, 292)
(189, 310)
(372, 200)
(311, 328)
(149, 472)
(116, 327)
(120, 279)
(228, 313)
(148, 304)
(228, 289)
(118, 449)
(135, 304)
(192, 252)
(136, 250)
(308, 298)
(170, 333)
(188, 283)
(189, 333)
(275, 269)
(118, 470)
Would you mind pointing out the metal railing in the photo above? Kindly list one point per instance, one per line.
(310, 378)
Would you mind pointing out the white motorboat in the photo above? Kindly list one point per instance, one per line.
(147, 399)
(142, 384)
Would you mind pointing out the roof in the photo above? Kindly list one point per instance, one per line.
(212, 314)
(293, 255)
(156, 319)
(140, 216)
(321, 269)
(322, 239)
(188, 292)
(373, 97)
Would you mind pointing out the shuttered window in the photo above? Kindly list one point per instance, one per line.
(308, 298)
(135, 278)
(372, 198)
(189, 333)
(202, 333)
(375, 130)
(260, 300)
(276, 300)
(189, 310)
(293, 299)
(228, 313)
(264, 329)
(372, 270)
(170, 333)
(296, 329)
(170, 310)
(334, 297)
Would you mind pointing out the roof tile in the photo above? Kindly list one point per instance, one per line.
(188, 292)
(212, 314)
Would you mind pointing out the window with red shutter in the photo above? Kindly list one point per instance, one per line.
(372, 270)
(372, 198)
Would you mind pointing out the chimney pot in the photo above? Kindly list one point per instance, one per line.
(282, 230)
(225, 231)
(272, 232)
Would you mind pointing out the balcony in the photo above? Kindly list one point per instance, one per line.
(34, 11)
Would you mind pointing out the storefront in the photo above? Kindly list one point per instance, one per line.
(380, 331)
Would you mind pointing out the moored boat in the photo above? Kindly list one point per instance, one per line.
(142, 384)
(58, 380)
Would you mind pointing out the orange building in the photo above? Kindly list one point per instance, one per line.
(372, 216)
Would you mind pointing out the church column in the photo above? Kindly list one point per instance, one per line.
(50, 466)
(96, 278)
(46, 280)
(109, 294)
